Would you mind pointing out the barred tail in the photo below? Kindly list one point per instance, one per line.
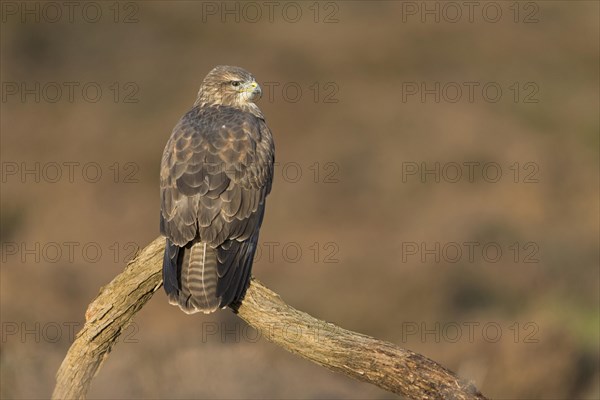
(190, 277)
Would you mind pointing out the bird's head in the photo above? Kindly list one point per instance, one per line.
(230, 86)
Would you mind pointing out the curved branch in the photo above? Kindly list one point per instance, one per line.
(359, 356)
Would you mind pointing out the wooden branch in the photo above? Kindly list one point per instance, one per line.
(359, 356)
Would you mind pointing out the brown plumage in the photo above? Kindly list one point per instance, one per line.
(216, 172)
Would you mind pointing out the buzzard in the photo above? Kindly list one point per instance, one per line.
(215, 175)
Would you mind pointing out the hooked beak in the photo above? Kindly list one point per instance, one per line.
(252, 90)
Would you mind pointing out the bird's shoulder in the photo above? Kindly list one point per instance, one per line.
(219, 139)
(215, 122)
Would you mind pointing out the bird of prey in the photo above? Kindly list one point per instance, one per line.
(216, 171)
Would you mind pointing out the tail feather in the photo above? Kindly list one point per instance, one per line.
(199, 278)
(196, 278)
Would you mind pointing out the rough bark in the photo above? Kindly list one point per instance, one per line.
(359, 356)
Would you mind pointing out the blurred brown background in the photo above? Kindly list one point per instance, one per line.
(356, 238)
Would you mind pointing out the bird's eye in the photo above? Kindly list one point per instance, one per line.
(235, 83)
